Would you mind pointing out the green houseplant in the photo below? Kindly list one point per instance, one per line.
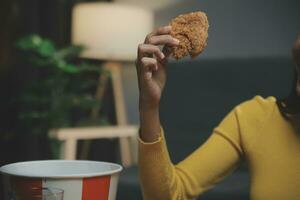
(61, 92)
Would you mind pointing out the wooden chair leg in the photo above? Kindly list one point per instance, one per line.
(125, 151)
(68, 149)
(115, 69)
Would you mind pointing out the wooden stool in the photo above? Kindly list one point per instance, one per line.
(126, 133)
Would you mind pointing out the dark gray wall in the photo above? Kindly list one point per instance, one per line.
(238, 29)
(243, 28)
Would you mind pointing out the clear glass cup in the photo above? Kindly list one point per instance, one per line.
(46, 194)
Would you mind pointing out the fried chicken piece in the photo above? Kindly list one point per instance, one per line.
(192, 31)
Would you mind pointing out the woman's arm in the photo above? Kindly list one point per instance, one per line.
(151, 69)
(206, 166)
(234, 137)
(159, 177)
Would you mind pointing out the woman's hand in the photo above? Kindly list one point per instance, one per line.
(151, 66)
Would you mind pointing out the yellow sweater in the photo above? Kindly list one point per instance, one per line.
(255, 130)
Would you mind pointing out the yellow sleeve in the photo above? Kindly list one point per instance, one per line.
(206, 166)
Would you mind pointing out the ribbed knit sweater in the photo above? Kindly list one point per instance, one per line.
(254, 130)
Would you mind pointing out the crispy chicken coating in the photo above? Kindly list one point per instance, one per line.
(192, 31)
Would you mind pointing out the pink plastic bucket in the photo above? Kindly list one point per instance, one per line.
(79, 180)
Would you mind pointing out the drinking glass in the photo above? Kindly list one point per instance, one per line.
(46, 194)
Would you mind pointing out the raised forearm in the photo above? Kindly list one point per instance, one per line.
(150, 124)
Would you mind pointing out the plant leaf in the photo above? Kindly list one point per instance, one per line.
(46, 48)
(67, 67)
(29, 42)
(68, 52)
(36, 44)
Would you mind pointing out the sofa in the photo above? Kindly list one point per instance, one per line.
(198, 94)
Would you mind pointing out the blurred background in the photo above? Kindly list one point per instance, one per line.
(47, 83)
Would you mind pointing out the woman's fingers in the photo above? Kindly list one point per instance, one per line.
(162, 40)
(161, 36)
(148, 50)
(149, 64)
(164, 30)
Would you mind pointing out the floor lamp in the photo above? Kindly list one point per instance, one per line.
(111, 33)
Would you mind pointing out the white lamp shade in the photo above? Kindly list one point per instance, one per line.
(110, 31)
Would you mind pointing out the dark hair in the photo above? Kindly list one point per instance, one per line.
(296, 51)
(290, 106)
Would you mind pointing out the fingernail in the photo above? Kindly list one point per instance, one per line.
(176, 41)
(162, 56)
